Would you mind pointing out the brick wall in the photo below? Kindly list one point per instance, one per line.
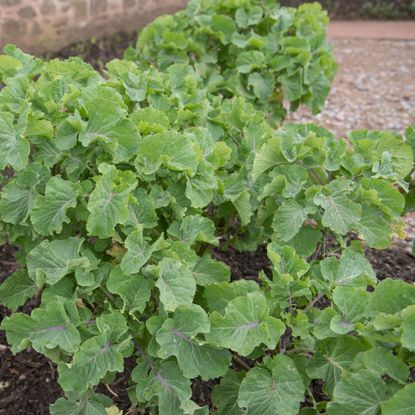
(40, 25)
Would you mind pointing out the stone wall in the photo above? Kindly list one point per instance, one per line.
(40, 25)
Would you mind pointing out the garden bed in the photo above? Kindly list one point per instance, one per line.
(29, 381)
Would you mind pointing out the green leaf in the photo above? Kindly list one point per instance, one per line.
(14, 147)
(393, 201)
(332, 358)
(351, 302)
(289, 219)
(360, 394)
(175, 283)
(135, 290)
(177, 337)
(374, 229)
(268, 156)
(108, 203)
(245, 325)
(49, 212)
(18, 196)
(248, 61)
(225, 395)
(402, 403)
(340, 213)
(141, 210)
(262, 85)
(171, 149)
(16, 290)
(277, 391)
(408, 329)
(208, 271)
(384, 362)
(46, 328)
(305, 241)
(194, 228)
(113, 324)
(96, 357)
(285, 260)
(391, 296)
(353, 269)
(168, 384)
(51, 261)
(84, 406)
(220, 294)
(139, 251)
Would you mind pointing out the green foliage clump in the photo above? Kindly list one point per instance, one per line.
(117, 189)
(251, 48)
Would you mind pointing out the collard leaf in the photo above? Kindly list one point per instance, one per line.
(275, 390)
(51, 261)
(289, 219)
(14, 147)
(49, 212)
(268, 156)
(194, 228)
(391, 296)
(408, 329)
(332, 358)
(168, 384)
(362, 394)
(141, 211)
(225, 395)
(374, 229)
(305, 241)
(46, 328)
(108, 203)
(16, 290)
(402, 403)
(175, 283)
(245, 325)
(351, 303)
(139, 251)
(353, 269)
(96, 357)
(135, 290)
(177, 337)
(84, 406)
(18, 196)
(384, 362)
(340, 213)
(171, 149)
(218, 295)
(208, 271)
(248, 61)
(285, 260)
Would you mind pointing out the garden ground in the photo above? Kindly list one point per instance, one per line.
(374, 89)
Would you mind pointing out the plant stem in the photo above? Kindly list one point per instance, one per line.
(240, 362)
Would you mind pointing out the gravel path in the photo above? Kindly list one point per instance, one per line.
(374, 87)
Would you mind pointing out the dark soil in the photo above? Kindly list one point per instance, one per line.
(393, 263)
(98, 52)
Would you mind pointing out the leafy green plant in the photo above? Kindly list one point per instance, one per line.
(251, 48)
(115, 190)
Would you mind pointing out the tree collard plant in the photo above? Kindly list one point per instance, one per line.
(251, 48)
(115, 191)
